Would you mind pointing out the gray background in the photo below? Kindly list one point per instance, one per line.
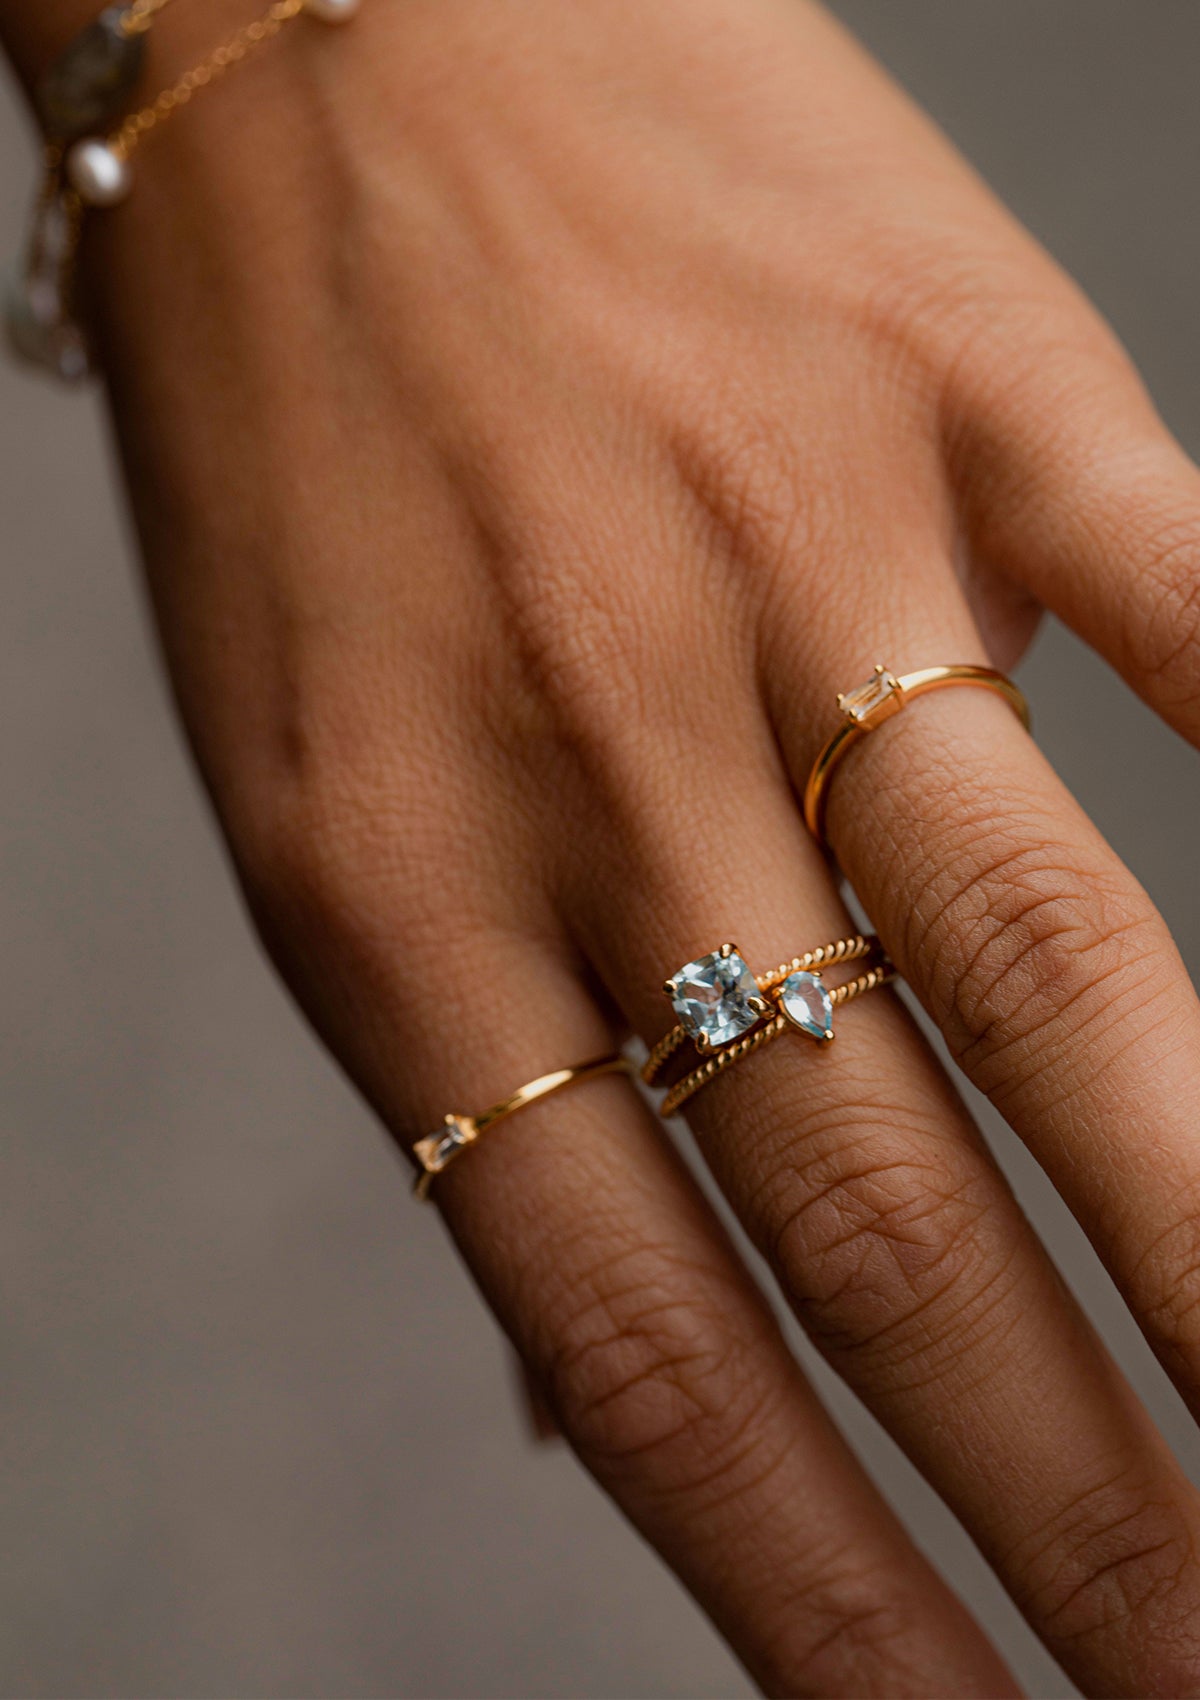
(255, 1432)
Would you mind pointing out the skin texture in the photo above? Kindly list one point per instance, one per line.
(533, 415)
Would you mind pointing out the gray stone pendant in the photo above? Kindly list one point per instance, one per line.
(38, 317)
(39, 333)
(89, 84)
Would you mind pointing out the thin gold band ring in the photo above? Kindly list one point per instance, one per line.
(869, 705)
(458, 1133)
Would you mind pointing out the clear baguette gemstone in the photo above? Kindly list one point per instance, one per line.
(449, 1140)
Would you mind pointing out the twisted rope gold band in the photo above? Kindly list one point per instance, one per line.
(683, 1089)
(840, 950)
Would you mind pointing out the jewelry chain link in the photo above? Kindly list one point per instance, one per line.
(222, 59)
(141, 14)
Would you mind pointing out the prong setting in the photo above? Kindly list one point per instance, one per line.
(440, 1149)
(716, 998)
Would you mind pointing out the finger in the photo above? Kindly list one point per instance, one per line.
(656, 1356)
(1073, 488)
(858, 1175)
(672, 1383)
(1048, 969)
(1057, 985)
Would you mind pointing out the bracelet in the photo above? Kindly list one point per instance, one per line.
(86, 163)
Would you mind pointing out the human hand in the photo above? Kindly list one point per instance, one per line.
(534, 415)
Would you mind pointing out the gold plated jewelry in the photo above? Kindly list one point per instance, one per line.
(89, 82)
(234, 51)
(869, 705)
(718, 999)
(440, 1149)
(85, 88)
(727, 1013)
(85, 168)
(719, 1061)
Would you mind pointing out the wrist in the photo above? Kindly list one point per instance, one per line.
(33, 33)
(99, 103)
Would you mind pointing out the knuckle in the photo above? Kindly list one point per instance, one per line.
(650, 1381)
(1165, 1281)
(891, 1242)
(1024, 953)
(843, 1617)
(584, 660)
(589, 689)
(643, 1371)
(1114, 1558)
(751, 494)
(336, 874)
(595, 699)
(318, 857)
(1165, 629)
(569, 609)
(1034, 347)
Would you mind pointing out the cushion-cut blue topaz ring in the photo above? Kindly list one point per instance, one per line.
(716, 998)
(726, 1011)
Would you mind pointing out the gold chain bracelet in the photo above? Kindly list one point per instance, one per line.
(88, 147)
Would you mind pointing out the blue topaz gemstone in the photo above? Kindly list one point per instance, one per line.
(716, 998)
(807, 1005)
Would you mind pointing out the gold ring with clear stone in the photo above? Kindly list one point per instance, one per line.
(459, 1133)
(869, 705)
(721, 1005)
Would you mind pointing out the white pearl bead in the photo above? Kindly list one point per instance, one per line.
(98, 174)
(332, 11)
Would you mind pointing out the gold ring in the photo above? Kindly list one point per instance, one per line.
(869, 705)
(718, 999)
(719, 1061)
(458, 1133)
(726, 1012)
